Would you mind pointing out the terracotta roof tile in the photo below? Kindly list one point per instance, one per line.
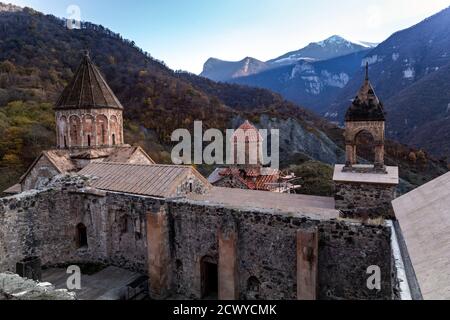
(253, 178)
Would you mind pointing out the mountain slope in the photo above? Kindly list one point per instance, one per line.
(420, 114)
(312, 84)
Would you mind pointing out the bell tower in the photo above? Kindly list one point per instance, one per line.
(88, 114)
(365, 115)
(362, 189)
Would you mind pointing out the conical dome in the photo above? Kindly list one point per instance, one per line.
(87, 90)
(366, 106)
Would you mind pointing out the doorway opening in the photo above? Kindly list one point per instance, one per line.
(81, 236)
(209, 278)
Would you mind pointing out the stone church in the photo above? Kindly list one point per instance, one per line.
(96, 200)
(89, 128)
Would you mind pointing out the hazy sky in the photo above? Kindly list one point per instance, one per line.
(184, 33)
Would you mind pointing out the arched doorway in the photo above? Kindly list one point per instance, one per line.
(82, 240)
(209, 278)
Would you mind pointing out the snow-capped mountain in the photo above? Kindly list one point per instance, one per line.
(333, 47)
(330, 48)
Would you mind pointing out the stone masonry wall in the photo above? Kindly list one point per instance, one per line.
(43, 224)
(41, 174)
(267, 253)
(358, 200)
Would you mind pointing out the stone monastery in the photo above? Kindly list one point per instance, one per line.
(95, 200)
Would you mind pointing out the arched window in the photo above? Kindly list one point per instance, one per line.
(82, 240)
(102, 129)
(365, 146)
(103, 134)
(115, 130)
(88, 130)
(62, 131)
(75, 125)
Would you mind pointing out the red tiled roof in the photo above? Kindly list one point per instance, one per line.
(252, 178)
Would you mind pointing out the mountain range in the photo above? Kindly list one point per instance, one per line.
(409, 71)
(335, 46)
(38, 56)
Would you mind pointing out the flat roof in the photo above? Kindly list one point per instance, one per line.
(424, 217)
(312, 206)
(391, 177)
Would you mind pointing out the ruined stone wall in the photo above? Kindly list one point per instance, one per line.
(364, 200)
(43, 224)
(125, 226)
(267, 253)
(35, 224)
(41, 174)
